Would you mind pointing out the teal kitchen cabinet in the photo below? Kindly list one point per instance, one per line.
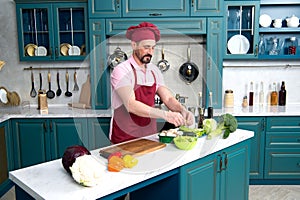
(255, 124)
(214, 72)
(136, 8)
(52, 31)
(5, 157)
(104, 8)
(277, 41)
(98, 132)
(206, 8)
(282, 156)
(154, 8)
(222, 175)
(241, 29)
(40, 140)
(99, 72)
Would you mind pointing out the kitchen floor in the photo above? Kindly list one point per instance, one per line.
(256, 192)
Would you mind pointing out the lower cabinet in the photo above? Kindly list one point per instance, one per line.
(222, 175)
(282, 157)
(255, 124)
(6, 163)
(39, 140)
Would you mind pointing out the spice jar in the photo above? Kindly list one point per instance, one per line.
(228, 99)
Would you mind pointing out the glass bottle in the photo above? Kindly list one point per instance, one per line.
(210, 109)
(292, 47)
(274, 96)
(251, 94)
(261, 94)
(282, 95)
(261, 45)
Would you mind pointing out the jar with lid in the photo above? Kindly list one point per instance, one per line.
(228, 99)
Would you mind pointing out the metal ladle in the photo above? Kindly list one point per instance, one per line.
(76, 87)
(67, 93)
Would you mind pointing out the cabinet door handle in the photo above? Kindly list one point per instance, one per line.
(45, 126)
(193, 3)
(155, 14)
(219, 168)
(50, 125)
(226, 161)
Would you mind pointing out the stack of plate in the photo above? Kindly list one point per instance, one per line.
(69, 50)
(34, 50)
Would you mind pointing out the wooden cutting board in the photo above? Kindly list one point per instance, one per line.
(85, 95)
(136, 147)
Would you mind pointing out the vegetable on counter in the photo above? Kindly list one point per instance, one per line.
(117, 162)
(198, 131)
(81, 165)
(227, 123)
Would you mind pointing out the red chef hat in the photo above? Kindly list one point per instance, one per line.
(143, 31)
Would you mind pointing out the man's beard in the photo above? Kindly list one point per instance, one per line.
(145, 59)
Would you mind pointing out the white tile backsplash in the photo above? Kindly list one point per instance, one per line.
(238, 79)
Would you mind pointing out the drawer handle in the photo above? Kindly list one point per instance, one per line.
(155, 14)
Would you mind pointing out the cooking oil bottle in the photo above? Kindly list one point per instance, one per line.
(251, 94)
(274, 96)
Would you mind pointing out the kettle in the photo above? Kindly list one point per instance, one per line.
(292, 21)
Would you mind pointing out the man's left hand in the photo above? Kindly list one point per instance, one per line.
(189, 117)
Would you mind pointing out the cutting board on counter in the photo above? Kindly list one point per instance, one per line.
(135, 148)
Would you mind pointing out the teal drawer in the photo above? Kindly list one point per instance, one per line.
(282, 164)
(166, 25)
(285, 124)
(283, 140)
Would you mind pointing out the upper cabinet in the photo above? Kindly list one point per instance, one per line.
(241, 29)
(154, 8)
(279, 29)
(52, 31)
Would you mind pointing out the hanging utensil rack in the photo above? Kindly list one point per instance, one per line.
(55, 68)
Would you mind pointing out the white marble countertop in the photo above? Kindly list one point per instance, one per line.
(50, 180)
(66, 112)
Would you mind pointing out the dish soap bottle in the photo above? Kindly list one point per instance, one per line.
(210, 109)
(274, 96)
(282, 95)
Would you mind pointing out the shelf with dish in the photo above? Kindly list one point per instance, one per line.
(241, 29)
(52, 31)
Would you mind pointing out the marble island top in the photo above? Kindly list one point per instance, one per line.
(70, 112)
(51, 181)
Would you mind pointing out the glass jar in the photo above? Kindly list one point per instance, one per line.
(228, 99)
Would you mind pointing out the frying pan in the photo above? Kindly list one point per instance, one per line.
(163, 64)
(116, 58)
(188, 71)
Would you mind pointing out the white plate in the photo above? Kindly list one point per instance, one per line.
(3, 96)
(238, 44)
(40, 51)
(265, 20)
(74, 51)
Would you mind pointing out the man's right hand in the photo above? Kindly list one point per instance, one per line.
(174, 118)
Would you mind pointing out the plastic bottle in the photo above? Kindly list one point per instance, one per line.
(274, 96)
(251, 94)
(282, 95)
(210, 109)
(261, 94)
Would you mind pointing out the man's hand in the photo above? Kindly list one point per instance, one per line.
(174, 118)
(188, 117)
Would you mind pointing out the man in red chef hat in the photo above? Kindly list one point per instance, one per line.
(134, 85)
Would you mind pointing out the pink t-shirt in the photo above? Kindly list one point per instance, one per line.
(122, 75)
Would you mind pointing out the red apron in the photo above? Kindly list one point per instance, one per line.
(127, 126)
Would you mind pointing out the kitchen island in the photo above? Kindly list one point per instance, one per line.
(163, 172)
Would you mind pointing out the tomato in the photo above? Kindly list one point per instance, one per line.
(130, 161)
(118, 154)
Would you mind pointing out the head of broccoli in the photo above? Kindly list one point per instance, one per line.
(228, 123)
